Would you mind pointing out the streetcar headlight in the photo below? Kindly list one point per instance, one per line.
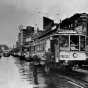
(75, 55)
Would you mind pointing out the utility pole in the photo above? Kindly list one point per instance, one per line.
(21, 43)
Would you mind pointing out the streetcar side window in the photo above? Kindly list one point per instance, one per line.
(41, 47)
(29, 49)
(32, 48)
(74, 42)
(37, 47)
(64, 42)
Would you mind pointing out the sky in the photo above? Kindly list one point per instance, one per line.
(30, 12)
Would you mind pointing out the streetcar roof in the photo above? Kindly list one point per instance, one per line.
(67, 33)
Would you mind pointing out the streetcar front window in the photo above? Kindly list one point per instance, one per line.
(74, 42)
(86, 44)
(82, 43)
(64, 42)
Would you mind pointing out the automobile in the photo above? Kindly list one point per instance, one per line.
(28, 57)
(1, 54)
(6, 54)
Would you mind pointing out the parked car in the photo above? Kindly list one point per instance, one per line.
(1, 54)
(6, 54)
(28, 57)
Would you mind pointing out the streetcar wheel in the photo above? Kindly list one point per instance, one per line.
(75, 67)
(69, 68)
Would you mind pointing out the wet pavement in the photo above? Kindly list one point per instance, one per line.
(20, 74)
(9, 76)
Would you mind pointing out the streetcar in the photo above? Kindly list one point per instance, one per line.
(60, 46)
(71, 48)
(67, 47)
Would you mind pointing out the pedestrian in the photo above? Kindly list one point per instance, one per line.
(35, 75)
(35, 64)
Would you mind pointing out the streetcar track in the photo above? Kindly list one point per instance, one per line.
(82, 83)
(75, 84)
(71, 77)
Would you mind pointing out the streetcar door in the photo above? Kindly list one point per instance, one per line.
(53, 49)
(57, 51)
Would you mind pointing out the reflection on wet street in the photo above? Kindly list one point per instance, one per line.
(16, 73)
(19, 74)
(9, 75)
(43, 80)
(26, 71)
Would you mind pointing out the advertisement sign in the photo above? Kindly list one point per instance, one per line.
(72, 56)
(81, 29)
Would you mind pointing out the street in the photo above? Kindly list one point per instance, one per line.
(44, 44)
(19, 74)
(9, 75)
